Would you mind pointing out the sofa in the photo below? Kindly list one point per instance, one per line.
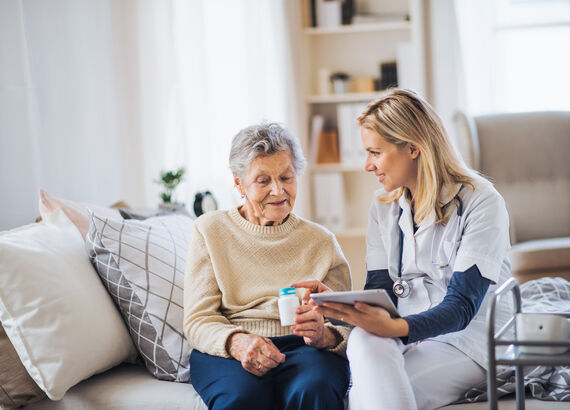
(91, 312)
(526, 155)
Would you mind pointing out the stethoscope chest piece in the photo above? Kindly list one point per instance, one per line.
(401, 288)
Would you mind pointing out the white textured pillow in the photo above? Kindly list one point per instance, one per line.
(54, 308)
(142, 265)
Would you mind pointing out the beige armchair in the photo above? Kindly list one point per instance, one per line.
(527, 156)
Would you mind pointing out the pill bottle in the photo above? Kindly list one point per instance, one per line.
(288, 302)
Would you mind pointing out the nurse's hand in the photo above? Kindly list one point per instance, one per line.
(311, 326)
(256, 354)
(373, 319)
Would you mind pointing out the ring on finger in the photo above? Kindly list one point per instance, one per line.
(259, 366)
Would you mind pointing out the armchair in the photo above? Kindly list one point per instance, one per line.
(527, 156)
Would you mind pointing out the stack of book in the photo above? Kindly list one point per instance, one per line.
(351, 152)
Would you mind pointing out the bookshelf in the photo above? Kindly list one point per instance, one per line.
(357, 50)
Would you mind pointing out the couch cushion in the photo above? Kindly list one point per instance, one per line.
(53, 307)
(17, 388)
(126, 387)
(142, 265)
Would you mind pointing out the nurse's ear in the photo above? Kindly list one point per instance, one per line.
(414, 150)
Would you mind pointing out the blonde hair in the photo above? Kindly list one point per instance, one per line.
(402, 117)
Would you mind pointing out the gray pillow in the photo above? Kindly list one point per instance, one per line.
(179, 209)
(141, 263)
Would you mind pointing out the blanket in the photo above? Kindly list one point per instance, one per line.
(544, 295)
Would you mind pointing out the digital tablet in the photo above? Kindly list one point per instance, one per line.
(376, 297)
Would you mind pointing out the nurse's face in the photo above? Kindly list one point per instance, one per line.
(395, 167)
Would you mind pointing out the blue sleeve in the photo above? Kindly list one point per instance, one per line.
(380, 279)
(465, 293)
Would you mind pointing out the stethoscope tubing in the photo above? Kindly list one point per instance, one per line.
(401, 287)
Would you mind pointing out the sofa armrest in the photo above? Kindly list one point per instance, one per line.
(544, 257)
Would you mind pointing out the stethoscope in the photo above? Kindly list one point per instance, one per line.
(402, 288)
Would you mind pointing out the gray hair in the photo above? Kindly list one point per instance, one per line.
(261, 140)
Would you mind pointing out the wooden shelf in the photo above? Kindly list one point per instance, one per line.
(321, 168)
(358, 28)
(346, 97)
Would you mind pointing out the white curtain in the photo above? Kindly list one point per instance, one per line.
(98, 96)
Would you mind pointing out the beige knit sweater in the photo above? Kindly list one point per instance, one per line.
(235, 268)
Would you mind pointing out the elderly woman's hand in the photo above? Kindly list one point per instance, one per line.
(311, 326)
(256, 354)
(312, 286)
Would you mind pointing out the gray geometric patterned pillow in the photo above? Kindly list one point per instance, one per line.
(141, 263)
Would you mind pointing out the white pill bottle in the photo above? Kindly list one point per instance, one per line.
(288, 303)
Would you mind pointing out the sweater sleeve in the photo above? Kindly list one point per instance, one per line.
(465, 293)
(338, 278)
(205, 328)
(380, 279)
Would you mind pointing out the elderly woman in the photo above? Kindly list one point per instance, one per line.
(238, 260)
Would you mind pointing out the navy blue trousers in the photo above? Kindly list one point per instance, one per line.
(310, 379)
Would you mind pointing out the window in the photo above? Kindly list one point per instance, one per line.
(532, 55)
(515, 54)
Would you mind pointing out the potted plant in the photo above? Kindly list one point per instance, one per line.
(169, 181)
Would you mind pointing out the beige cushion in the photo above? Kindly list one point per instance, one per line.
(17, 388)
(526, 156)
(75, 211)
(545, 257)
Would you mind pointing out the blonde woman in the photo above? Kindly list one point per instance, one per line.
(437, 242)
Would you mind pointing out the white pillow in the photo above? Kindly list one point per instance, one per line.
(142, 265)
(54, 308)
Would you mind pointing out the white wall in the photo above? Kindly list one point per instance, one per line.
(60, 126)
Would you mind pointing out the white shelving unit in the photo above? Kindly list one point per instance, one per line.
(359, 28)
(357, 50)
(341, 98)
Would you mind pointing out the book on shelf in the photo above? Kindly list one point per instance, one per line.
(351, 151)
(328, 148)
(317, 126)
(328, 200)
(324, 142)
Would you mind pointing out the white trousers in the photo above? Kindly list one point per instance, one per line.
(386, 374)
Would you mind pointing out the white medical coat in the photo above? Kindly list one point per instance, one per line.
(483, 240)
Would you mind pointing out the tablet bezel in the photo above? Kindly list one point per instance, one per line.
(375, 297)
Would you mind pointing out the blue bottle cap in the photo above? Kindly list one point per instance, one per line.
(287, 291)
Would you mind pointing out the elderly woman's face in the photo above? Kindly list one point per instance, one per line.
(270, 188)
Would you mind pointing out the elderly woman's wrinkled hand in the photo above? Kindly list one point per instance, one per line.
(256, 354)
(311, 286)
(311, 326)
